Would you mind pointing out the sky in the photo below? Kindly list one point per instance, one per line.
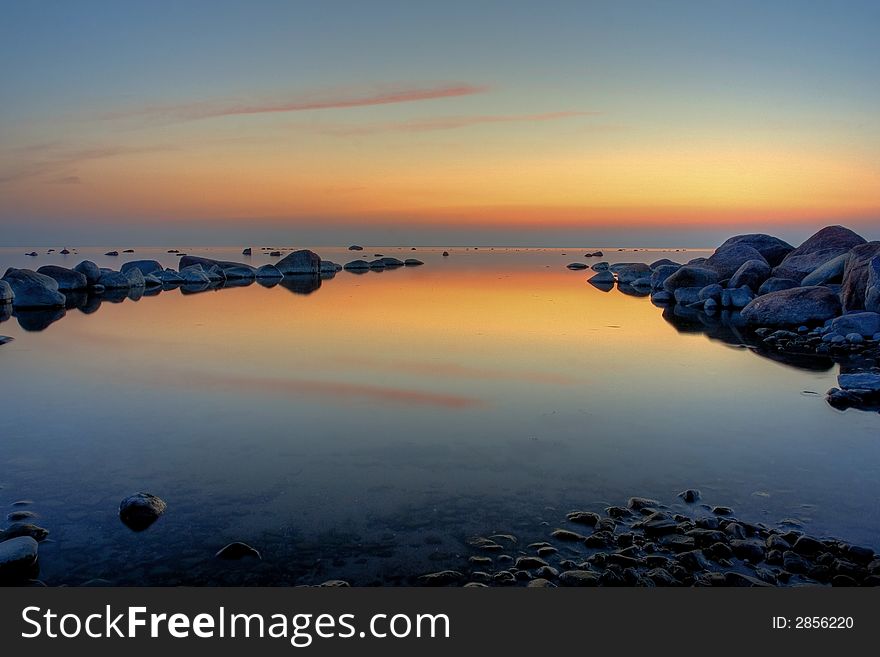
(506, 123)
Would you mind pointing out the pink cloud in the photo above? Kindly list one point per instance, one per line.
(385, 95)
(446, 123)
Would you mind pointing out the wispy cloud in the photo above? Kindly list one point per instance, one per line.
(445, 123)
(336, 99)
(57, 164)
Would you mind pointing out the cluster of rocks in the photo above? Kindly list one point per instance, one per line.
(822, 297)
(647, 544)
(53, 288)
(19, 545)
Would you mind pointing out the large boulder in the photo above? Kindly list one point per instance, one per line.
(627, 272)
(830, 272)
(794, 307)
(854, 287)
(697, 276)
(145, 266)
(825, 245)
(772, 249)
(90, 270)
(114, 280)
(141, 510)
(6, 293)
(269, 272)
(865, 324)
(728, 259)
(240, 273)
(661, 273)
(737, 297)
(662, 262)
(194, 275)
(299, 263)
(872, 293)
(774, 284)
(67, 279)
(751, 273)
(33, 290)
(135, 278)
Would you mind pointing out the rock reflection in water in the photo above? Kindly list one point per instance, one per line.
(38, 320)
(301, 284)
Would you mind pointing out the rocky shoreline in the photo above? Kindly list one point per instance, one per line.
(39, 298)
(821, 299)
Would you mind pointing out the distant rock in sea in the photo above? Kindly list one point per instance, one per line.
(355, 247)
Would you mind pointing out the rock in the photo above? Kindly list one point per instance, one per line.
(6, 293)
(240, 273)
(800, 305)
(334, 584)
(141, 510)
(687, 295)
(722, 510)
(377, 264)
(774, 284)
(194, 275)
(643, 283)
(752, 273)
(90, 270)
(602, 278)
(584, 518)
(114, 280)
(355, 247)
(530, 563)
(392, 262)
(657, 524)
(577, 265)
(274, 254)
(18, 559)
(825, 245)
(639, 503)
(237, 550)
(355, 265)
(445, 254)
(135, 278)
(713, 292)
(710, 305)
(746, 549)
(629, 272)
(248, 251)
(854, 286)
(540, 583)
(442, 578)
(663, 262)
(772, 249)
(872, 286)
(33, 290)
(737, 297)
(690, 495)
(661, 273)
(145, 266)
(727, 260)
(67, 279)
(579, 578)
(566, 535)
(17, 529)
(268, 271)
(861, 381)
(600, 266)
(662, 297)
(691, 276)
(830, 272)
(794, 563)
(5, 339)
(412, 262)
(866, 324)
(112, 253)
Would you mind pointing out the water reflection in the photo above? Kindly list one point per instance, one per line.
(38, 320)
(301, 284)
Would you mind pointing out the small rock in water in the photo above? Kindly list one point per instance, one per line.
(17, 529)
(237, 550)
(16, 516)
(442, 578)
(584, 518)
(412, 262)
(566, 535)
(112, 253)
(18, 559)
(141, 510)
(690, 495)
(722, 511)
(5, 339)
(445, 253)
(577, 265)
(334, 584)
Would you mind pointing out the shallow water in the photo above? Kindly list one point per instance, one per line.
(365, 429)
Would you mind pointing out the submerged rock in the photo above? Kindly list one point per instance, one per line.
(18, 559)
(238, 550)
(412, 262)
(800, 305)
(141, 510)
(356, 264)
(17, 529)
(33, 290)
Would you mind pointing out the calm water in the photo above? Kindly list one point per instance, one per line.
(365, 429)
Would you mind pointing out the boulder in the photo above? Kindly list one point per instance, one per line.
(663, 262)
(389, 262)
(268, 271)
(67, 279)
(240, 273)
(141, 510)
(577, 265)
(687, 295)
(6, 293)
(772, 249)
(215, 274)
(33, 290)
(600, 266)
(194, 275)
(248, 251)
(797, 306)
(413, 262)
(872, 291)
(145, 266)
(854, 286)
(830, 272)
(602, 278)
(356, 265)
(752, 273)
(631, 271)
(135, 278)
(825, 245)
(300, 262)
(330, 267)
(152, 281)
(660, 273)
(862, 381)
(738, 297)
(90, 270)
(713, 291)
(866, 324)
(355, 247)
(697, 276)
(169, 277)
(728, 259)
(643, 283)
(774, 284)
(18, 559)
